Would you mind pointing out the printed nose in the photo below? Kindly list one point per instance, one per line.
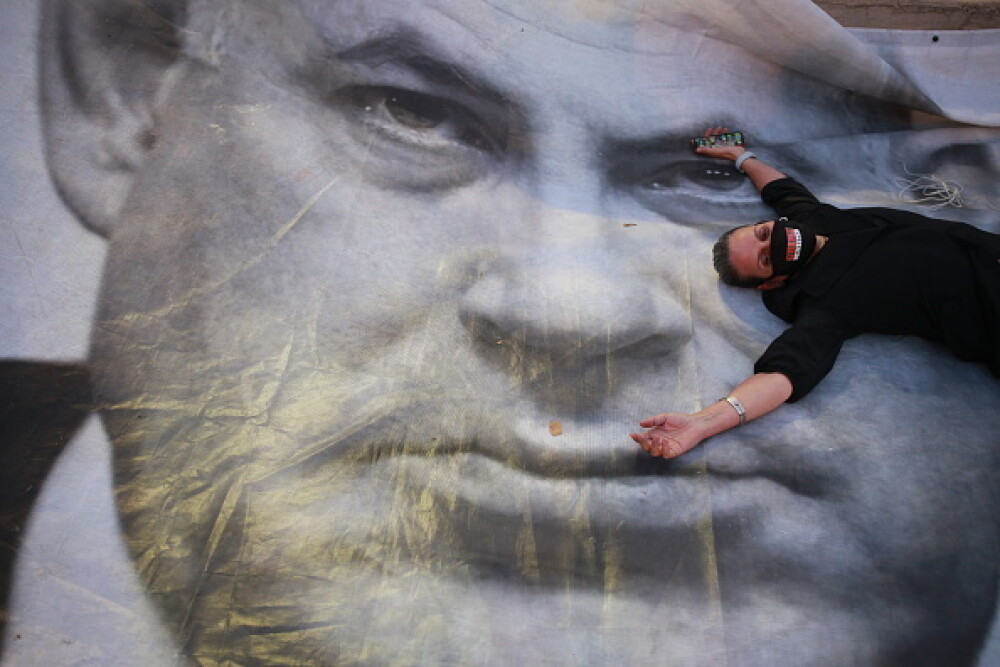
(574, 299)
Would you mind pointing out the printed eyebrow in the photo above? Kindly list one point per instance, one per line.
(407, 48)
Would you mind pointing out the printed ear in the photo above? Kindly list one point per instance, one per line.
(103, 64)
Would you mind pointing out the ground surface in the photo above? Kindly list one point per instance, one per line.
(915, 14)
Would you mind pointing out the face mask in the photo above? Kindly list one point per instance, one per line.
(791, 246)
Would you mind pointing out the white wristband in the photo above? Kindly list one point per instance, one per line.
(740, 410)
(746, 155)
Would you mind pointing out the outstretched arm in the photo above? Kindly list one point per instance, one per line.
(760, 174)
(674, 433)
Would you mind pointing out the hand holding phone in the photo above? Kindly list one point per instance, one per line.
(721, 140)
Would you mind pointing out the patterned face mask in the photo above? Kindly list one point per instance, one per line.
(792, 244)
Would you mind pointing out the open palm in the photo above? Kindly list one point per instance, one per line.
(669, 435)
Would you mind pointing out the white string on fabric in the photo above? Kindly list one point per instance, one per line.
(934, 191)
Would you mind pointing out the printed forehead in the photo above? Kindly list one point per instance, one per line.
(587, 59)
(607, 26)
(671, 28)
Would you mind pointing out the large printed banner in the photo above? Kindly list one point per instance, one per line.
(326, 322)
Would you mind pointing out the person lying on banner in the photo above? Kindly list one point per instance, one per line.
(834, 274)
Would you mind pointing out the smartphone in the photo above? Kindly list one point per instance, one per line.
(713, 140)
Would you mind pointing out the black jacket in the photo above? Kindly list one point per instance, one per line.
(41, 407)
(881, 271)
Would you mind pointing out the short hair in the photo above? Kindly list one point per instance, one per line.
(724, 266)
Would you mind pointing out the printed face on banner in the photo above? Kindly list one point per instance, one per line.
(394, 284)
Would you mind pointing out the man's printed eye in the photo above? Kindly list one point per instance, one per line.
(415, 140)
(682, 189)
(417, 111)
(685, 174)
(419, 119)
(765, 234)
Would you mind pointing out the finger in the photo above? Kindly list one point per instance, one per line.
(651, 422)
(641, 440)
(664, 445)
(663, 451)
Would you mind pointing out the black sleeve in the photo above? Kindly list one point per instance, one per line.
(805, 352)
(789, 198)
